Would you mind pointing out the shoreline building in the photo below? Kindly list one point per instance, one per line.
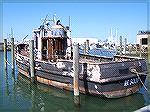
(142, 38)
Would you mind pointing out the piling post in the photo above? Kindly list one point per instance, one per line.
(76, 73)
(84, 48)
(140, 54)
(136, 50)
(84, 70)
(148, 49)
(5, 53)
(32, 61)
(120, 45)
(87, 46)
(125, 44)
(130, 49)
(12, 53)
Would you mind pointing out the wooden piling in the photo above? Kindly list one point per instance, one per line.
(125, 44)
(12, 53)
(87, 46)
(76, 73)
(120, 45)
(130, 49)
(84, 48)
(5, 53)
(140, 54)
(32, 74)
(84, 68)
(148, 49)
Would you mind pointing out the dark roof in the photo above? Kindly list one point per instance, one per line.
(143, 32)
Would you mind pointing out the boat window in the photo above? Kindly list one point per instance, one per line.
(144, 41)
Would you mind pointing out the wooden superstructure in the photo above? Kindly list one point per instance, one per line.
(52, 41)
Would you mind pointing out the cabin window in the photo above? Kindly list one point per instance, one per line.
(144, 41)
(124, 71)
(45, 33)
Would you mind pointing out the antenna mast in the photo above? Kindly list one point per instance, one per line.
(11, 33)
(69, 22)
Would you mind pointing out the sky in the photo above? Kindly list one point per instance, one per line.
(92, 20)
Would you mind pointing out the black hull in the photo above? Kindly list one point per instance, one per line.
(110, 89)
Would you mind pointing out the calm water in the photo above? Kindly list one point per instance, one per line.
(100, 52)
(17, 94)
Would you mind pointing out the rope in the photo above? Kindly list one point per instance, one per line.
(133, 70)
(7, 62)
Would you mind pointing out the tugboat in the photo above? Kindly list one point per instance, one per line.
(111, 77)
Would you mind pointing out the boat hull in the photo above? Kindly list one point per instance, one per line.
(111, 89)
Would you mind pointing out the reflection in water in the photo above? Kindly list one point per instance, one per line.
(18, 94)
(45, 98)
(146, 93)
(6, 82)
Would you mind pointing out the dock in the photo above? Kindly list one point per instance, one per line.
(144, 109)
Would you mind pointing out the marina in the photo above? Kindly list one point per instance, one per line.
(89, 58)
(55, 65)
(18, 94)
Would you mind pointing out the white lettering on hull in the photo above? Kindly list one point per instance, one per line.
(130, 82)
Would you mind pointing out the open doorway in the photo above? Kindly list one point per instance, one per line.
(44, 49)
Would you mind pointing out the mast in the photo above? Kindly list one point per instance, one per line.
(54, 19)
(11, 33)
(116, 38)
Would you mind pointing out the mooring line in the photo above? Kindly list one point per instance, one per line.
(133, 70)
(7, 62)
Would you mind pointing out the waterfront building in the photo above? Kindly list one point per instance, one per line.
(142, 38)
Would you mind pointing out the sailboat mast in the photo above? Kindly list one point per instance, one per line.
(11, 33)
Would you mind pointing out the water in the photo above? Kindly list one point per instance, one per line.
(18, 94)
(100, 52)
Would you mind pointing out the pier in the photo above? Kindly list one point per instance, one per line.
(76, 95)
(144, 109)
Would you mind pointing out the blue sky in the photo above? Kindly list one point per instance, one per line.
(87, 19)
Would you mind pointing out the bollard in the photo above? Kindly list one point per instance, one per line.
(76, 73)
(32, 74)
(12, 53)
(5, 53)
(120, 45)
